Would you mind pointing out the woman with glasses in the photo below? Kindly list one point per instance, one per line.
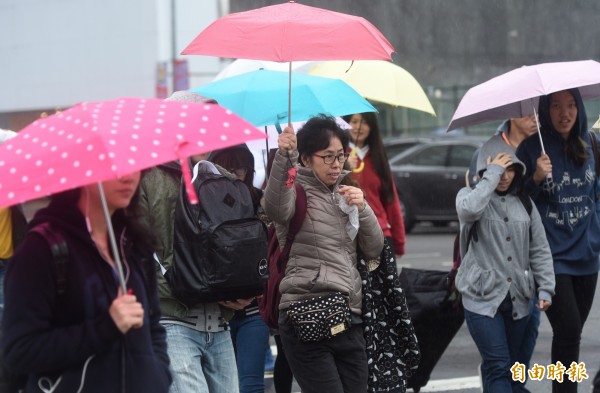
(249, 333)
(371, 170)
(322, 259)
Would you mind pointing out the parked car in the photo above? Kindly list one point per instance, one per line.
(429, 175)
(395, 146)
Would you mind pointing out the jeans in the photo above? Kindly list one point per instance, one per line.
(498, 340)
(201, 362)
(250, 338)
(333, 365)
(570, 308)
(531, 333)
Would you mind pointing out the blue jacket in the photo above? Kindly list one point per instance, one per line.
(567, 202)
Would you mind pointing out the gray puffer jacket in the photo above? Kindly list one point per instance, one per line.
(323, 256)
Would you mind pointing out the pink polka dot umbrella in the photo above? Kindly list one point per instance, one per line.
(98, 141)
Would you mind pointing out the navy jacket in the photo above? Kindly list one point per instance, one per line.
(48, 336)
(567, 203)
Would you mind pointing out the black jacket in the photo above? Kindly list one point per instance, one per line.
(50, 335)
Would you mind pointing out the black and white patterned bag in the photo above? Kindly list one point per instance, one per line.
(320, 317)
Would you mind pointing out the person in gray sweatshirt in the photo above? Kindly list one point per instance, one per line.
(504, 261)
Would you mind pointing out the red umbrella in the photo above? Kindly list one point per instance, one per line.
(291, 32)
(98, 141)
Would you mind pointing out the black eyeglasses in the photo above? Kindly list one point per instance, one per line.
(330, 158)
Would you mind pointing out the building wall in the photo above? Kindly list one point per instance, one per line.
(57, 53)
(451, 45)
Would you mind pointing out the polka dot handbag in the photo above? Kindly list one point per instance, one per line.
(320, 317)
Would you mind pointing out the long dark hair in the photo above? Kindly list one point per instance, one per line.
(575, 146)
(238, 157)
(378, 156)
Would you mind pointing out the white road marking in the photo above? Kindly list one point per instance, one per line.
(444, 385)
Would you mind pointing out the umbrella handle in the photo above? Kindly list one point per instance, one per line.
(361, 167)
(537, 123)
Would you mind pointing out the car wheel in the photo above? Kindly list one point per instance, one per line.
(409, 222)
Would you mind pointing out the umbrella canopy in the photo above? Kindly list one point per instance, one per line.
(93, 142)
(515, 93)
(241, 66)
(261, 96)
(291, 32)
(378, 80)
(6, 134)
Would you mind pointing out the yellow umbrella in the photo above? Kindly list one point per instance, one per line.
(378, 80)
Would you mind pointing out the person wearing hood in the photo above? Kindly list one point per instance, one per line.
(86, 335)
(502, 264)
(199, 343)
(513, 131)
(249, 333)
(561, 183)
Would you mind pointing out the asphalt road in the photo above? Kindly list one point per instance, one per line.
(431, 248)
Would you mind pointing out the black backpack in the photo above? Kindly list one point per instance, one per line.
(220, 245)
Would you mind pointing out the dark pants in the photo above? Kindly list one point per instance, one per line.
(282, 374)
(569, 310)
(335, 365)
(597, 383)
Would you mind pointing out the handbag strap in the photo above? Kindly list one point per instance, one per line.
(294, 227)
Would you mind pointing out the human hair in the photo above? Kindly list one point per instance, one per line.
(575, 146)
(316, 135)
(128, 218)
(378, 156)
(236, 157)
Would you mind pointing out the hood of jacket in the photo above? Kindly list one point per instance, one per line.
(241, 149)
(547, 129)
(493, 147)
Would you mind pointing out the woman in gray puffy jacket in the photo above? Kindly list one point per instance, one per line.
(323, 256)
(504, 258)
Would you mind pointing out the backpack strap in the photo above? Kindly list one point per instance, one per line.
(294, 227)
(60, 254)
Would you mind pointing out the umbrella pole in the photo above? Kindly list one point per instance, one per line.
(290, 95)
(113, 241)
(537, 124)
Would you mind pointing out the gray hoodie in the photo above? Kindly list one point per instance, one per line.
(505, 259)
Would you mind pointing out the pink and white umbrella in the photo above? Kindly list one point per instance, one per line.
(516, 93)
(98, 141)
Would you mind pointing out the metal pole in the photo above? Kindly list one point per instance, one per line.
(113, 241)
(173, 39)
